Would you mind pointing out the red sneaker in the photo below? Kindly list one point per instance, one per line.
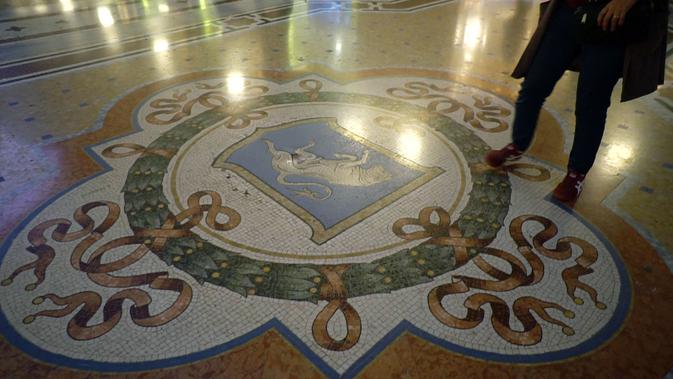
(496, 158)
(570, 188)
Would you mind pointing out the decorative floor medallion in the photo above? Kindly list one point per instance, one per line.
(330, 185)
(341, 214)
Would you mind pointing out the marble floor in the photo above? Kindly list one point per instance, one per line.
(279, 189)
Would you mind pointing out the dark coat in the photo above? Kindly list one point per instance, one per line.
(644, 62)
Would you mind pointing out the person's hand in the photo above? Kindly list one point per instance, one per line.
(614, 13)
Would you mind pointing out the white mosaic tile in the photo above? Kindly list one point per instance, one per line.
(270, 232)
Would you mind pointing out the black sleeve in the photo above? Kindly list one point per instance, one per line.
(543, 8)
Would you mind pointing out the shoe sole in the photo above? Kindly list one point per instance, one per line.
(508, 159)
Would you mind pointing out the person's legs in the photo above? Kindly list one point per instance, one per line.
(557, 50)
(601, 68)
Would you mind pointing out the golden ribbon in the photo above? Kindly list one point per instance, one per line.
(490, 113)
(518, 169)
(146, 240)
(134, 149)
(515, 278)
(335, 293)
(417, 90)
(399, 125)
(257, 90)
(243, 120)
(522, 307)
(313, 87)
(208, 86)
(441, 233)
(172, 107)
(487, 111)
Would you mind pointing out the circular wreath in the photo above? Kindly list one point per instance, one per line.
(443, 246)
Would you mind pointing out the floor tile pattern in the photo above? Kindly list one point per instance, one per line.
(296, 189)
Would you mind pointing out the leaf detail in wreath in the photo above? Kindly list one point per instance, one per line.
(185, 242)
(152, 220)
(139, 182)
(175, 251)
(286, 283)
(301, 272)
(196, 271)
(249, 269)
(236, 280)
(217, 254)
(298, 295)
(203, 260)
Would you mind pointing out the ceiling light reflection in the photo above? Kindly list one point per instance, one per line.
(67, 5)
(40, 8)
(235, 84)
(354, 125)
(409, 145)
(164, 8)
(473, 32)
(619, 155)
(160, 45)
(105, 16)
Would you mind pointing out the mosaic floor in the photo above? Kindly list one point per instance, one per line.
(269, 189)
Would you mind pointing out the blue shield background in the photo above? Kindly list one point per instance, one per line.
(345, 200)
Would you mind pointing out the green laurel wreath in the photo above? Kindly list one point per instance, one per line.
(147, 207)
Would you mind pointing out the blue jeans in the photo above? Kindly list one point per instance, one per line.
(601, 67)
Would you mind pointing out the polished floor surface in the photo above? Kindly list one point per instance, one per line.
(271, 189)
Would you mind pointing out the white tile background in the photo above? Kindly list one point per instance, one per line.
(217, 315)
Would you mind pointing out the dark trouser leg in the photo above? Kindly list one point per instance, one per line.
(557, 50)
(601, 68)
